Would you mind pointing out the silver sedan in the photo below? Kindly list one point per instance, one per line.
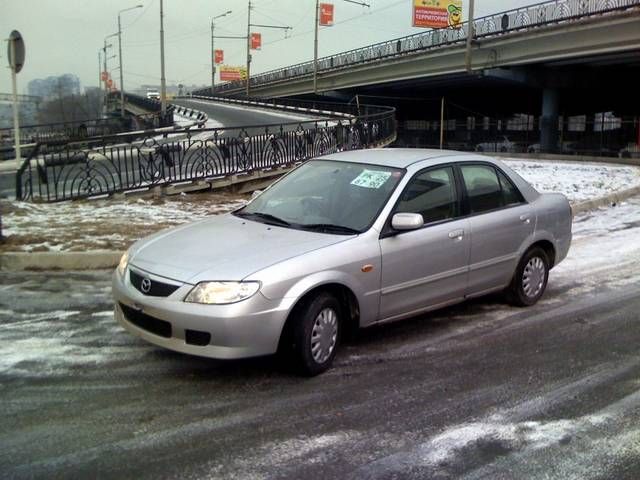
(347, 240)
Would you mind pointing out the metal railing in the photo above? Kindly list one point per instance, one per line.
(593, 135)
(524, 18)
(107, 165)
(67, 131)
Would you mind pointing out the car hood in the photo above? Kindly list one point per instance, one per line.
(224, 248)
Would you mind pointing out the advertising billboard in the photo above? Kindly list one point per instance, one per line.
(437, 13)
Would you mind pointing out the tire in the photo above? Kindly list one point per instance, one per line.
(530, 278)
(316, 333)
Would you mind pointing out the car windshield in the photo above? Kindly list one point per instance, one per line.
(326, 196)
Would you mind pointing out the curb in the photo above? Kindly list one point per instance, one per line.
(92, 260)
(104, 259)
(615, 197)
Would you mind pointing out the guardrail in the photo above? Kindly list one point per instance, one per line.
(108, 165)
(510, 21)
(61, 131)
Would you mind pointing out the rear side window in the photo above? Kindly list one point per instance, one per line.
(488, 189)
(431, 194)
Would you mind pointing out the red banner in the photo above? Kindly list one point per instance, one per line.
(326, 14)
(218, 56)
(256, 41)
(109, 83)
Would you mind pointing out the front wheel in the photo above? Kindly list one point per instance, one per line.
(530, 279)
(316, 333)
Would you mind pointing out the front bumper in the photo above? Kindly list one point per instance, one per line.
(245, 329)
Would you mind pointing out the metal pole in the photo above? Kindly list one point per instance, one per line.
(315, 51)
(120, 63)
(470, 34)
(441, 123)
(100, 70)
(213, 62)
(248, 48)
(104, 96)
(16, 119)
(163, 82)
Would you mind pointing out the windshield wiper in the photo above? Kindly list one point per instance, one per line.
(330, 228)
(267, 217)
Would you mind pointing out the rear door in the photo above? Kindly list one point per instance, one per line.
(500, 221)
(427, 266)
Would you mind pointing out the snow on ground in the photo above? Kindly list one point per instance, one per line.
(114, 224)
(578, 181)
(103, 224)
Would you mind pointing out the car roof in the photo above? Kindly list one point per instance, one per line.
(396, 157)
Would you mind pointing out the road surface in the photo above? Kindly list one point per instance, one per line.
(480, 390)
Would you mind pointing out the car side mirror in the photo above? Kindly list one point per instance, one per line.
(255, 194)
(407, 221)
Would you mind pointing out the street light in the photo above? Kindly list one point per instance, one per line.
(120, 55)
(213, 62)
(315, 41)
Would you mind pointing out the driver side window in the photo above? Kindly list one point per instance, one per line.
(432, 194)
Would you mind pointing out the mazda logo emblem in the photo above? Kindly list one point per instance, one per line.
(145, 286)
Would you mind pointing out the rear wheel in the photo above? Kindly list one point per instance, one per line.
(316, 333)
(530, 279)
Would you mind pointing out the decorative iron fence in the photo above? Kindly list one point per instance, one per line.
(107, 165)
(524, 18)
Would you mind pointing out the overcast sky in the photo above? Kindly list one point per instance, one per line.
(64, 36)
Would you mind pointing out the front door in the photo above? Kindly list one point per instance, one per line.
(428, 266)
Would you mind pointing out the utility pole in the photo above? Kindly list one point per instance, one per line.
(470, 34)
(163, 82)
(248, 48)
(315, 40)
(249, 25)
(120, 57)
(213, 61)
(315, 49)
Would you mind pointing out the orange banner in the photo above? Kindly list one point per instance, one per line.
(229, 73)
(437, 13)
(218, 56)
(256, 41)
(326, 14)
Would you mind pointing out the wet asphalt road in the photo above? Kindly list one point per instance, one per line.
(480, 390)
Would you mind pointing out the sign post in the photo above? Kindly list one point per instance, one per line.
(15, 53)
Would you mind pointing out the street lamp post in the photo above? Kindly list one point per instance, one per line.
(120, 55)
(249, 25)
(213, 61)
(315, 40)
(163, 81)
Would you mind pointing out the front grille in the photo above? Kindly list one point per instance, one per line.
(156, 289)
(147, 322)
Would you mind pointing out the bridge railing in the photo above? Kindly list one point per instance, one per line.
(60, 131)
(108, 165)
(514, 20)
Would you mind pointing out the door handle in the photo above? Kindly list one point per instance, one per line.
(525, 218)
(456, 235)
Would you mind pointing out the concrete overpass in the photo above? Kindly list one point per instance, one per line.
(516, 40)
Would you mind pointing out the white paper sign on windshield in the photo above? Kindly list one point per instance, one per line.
(371, 179)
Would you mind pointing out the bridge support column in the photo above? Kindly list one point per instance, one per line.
(549, 121)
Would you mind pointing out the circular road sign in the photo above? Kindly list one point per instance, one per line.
(16, 40)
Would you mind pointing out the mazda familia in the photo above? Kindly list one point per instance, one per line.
(347, 240)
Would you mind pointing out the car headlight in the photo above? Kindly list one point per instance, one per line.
(218, 293)
(124, 261)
